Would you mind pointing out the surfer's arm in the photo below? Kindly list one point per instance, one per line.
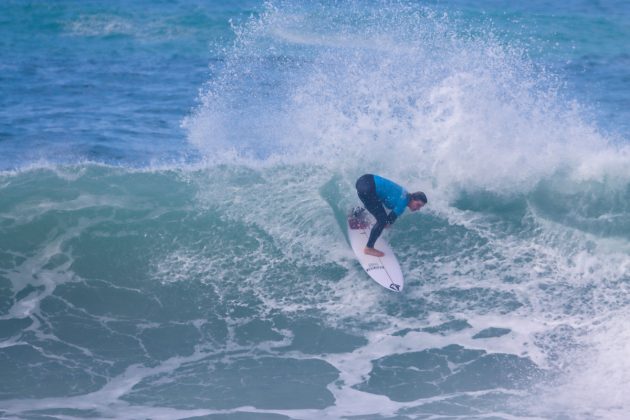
(401, 205)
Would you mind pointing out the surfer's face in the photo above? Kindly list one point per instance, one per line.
(415, 205)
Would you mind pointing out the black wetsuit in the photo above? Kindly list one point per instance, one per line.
(367, 191)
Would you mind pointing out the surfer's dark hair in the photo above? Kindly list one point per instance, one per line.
(418, 196)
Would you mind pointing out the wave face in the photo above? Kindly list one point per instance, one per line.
(224, 287)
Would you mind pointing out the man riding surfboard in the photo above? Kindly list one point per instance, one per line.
(378, 193)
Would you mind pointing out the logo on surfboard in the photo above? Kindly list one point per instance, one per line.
(373, 266)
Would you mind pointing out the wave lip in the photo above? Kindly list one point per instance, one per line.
(403, 90)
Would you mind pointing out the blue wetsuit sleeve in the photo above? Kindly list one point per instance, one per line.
(400, 206)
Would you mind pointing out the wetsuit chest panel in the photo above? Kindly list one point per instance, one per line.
(392, 195)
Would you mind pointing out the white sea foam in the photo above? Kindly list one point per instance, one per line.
(417, 98)
(423, 101)
(100, 25)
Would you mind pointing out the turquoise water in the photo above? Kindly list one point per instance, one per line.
(173, 188)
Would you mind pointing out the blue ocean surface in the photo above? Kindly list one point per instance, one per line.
(174, 182)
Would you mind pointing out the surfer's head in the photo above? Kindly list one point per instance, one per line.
(417, 200)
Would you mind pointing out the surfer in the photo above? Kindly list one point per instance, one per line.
(376, 193)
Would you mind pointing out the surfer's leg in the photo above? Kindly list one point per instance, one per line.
(377, 229)
(367, 193)
(366, 190)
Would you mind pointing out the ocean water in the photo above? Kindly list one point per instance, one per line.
(174, 179)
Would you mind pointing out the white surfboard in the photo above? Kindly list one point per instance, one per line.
(384, 270)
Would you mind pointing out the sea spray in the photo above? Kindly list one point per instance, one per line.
(225, 286)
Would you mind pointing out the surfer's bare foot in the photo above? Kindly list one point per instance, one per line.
(373, 251)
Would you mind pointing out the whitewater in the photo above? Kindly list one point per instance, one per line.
(174, 186)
